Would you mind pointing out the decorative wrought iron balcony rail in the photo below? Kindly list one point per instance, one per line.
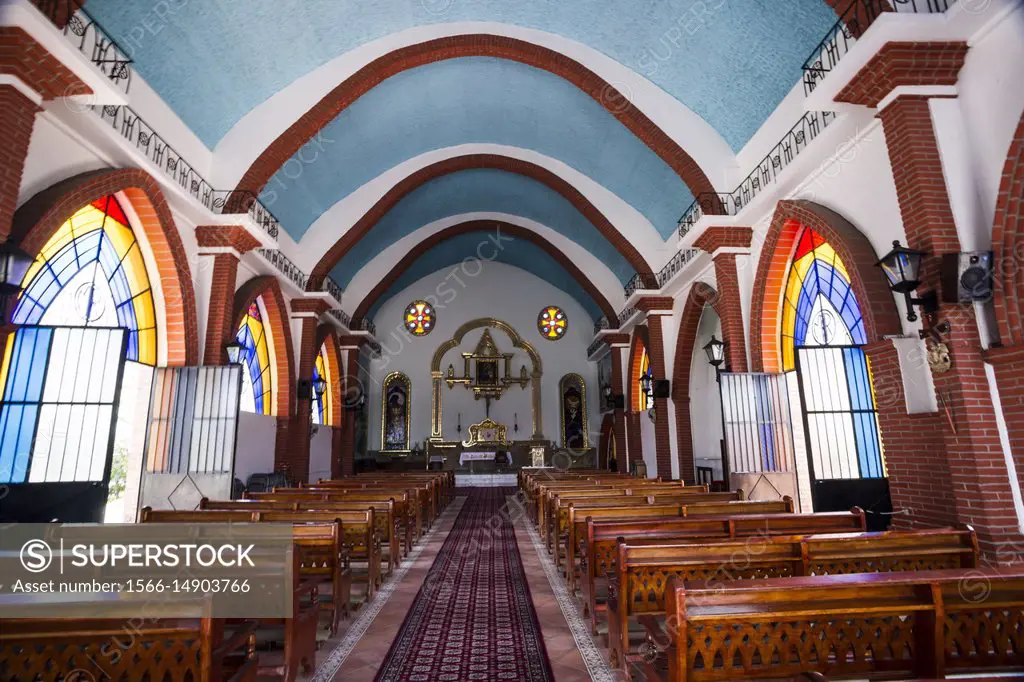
(90, 39)
(682, 257)
(141, 135)
(851, 25)
(766, 173)
(368, 326)
(333, 288)
(626, 313)
(285, 266)
(341, 316)
(602, 324)
(594, 346)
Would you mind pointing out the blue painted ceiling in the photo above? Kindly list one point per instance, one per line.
(479, 99)
(480, 190)
(212, 62)
(444, 257)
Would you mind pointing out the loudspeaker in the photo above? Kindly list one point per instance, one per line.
(618, 402)
(662, 388)
(304, 390)
(966, 277)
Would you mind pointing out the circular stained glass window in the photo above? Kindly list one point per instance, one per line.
(552, 323)
(419, 318)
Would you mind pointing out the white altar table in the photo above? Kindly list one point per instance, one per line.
(476, 457)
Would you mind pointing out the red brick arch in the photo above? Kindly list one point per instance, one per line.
(476, 45)
(701, 295)
(881, 317)
(1008, 244)
(475, 161)
(269, 287)
(327, 334)
(37, 220)
(517, 231)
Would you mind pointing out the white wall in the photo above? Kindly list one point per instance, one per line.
(503, 292)
(705, 399)
(320, 454)
(254, 451)
(53, 156)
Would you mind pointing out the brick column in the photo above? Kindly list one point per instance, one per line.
(725, 244)
(32, 75)
(350, 351)
(974, 478)
(656, 307)
(1008, 362)
(224, 246)
(308, 311)
(618, 347)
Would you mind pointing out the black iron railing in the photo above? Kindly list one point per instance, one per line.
(682, 257)
(766, 173)
(626, 313)
(333, 288)
(341, 316)
(852, 23)
(368, 326)
(594, 347)
(141, 135)
(286, 267)
(90, 39)
(602, 324)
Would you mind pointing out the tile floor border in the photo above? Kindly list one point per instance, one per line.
(597, 666)
(366, 615)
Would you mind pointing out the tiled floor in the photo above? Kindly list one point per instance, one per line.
(361, 660)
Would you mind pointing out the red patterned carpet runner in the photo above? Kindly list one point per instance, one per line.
(473, 618)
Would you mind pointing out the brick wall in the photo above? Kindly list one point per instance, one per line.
(662, 442)
(904, 64)
(17, 118)
(220, 319)
(618, 387)
(22, 57)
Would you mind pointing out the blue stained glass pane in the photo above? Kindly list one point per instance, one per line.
(869, 458)
(17, 428)
(119, 285)
(133, 345)
(108, 256)
(28, 365)
(65, 264)
(764, 417)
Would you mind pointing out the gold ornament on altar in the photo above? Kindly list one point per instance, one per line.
(487, 371)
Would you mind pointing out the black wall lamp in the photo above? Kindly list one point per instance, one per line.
(14, 263)
(902, 266)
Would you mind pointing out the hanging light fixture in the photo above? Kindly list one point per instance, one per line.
(14, 263)
(319, 386)
(715, 350)
(902, 266)
(234, 350)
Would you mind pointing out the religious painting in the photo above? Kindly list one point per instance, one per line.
(395, 413)
(573, 393)
(419, 318)
(552, 323)
(487, 372)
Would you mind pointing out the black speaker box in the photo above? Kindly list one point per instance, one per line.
(662, 388)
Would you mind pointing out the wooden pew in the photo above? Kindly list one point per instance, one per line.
(421, 494)
(184, 643)
(686, 510)
(637, 590)
(385, 518)
(926, 624)
(600, 547)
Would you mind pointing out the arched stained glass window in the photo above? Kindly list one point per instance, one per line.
(255, 357)
(822, 331)
(321, 404)
(820, 307)
(645, 403)
(91, 273)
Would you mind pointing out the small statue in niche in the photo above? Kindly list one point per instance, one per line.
(938, 357)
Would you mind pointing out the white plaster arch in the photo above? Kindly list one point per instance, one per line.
(340, 217)
(370, 275)
(247, 139)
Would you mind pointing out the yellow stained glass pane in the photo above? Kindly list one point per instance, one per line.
(145, 315)
(135, 270)
(147, 346)
(121, 237)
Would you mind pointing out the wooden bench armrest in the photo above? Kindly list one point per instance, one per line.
(238, 639)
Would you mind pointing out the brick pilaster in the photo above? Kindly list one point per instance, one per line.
(662, 444)
(636, 443)
(17, 118)
(976, 467)
(619, 415)
(1009, 367)
(352, 389)
(727, 296)
(230, 243)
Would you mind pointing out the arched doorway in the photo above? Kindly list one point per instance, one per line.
(822, 334)
(76, 370)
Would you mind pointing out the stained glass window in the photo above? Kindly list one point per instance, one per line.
(645, 403)
(255, 358)
(419, 318)
(91, 273)
(552, 323)
(321, 404)
(820, 307)
(822, 329)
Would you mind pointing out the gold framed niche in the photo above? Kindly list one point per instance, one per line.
(395, 385)
(439, 377)
(566, 416)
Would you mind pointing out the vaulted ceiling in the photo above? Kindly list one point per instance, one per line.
(709, 71)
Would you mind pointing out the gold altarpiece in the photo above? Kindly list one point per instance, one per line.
(487, 372)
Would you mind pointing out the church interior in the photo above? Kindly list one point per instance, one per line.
(671, 340)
